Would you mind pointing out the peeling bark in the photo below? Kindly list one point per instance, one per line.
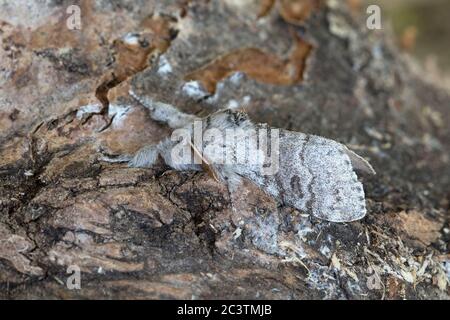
(156, 233)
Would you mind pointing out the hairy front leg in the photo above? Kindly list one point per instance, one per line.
(146, 157)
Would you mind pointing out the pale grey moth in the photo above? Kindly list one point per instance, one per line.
(314, 174)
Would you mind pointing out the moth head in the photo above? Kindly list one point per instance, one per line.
(228, 118)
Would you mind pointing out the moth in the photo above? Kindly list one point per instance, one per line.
(312, 174)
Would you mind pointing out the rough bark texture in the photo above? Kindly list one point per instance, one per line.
(156, 233)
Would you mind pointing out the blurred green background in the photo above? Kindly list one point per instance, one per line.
(422, 28)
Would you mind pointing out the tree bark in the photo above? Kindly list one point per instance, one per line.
(158, 233)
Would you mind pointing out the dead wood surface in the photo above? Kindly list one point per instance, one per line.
(157, 233)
